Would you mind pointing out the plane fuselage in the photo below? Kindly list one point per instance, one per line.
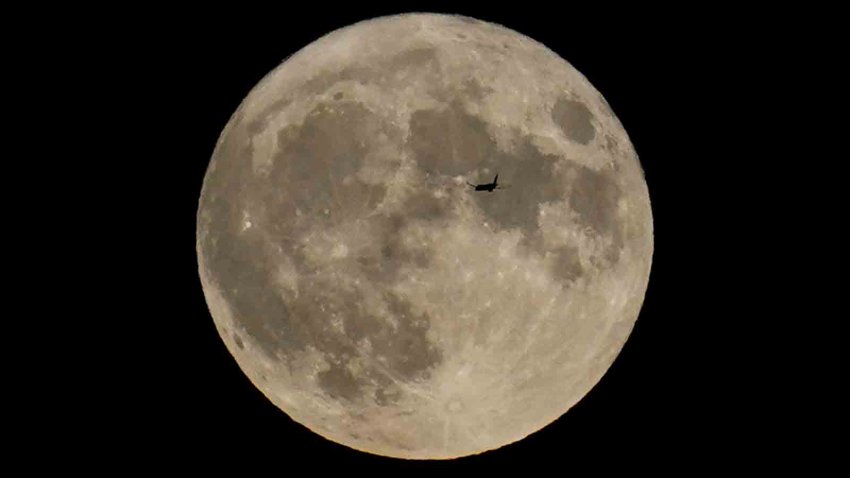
(487, 187)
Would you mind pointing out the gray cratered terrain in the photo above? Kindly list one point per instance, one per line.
(369, 292)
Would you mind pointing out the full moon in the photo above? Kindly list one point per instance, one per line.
(373, 295)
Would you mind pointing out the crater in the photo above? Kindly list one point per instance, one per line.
(567, 264)
(387, 394)
(611, 144)
(338, 382)
(417, 58)
(574, 120)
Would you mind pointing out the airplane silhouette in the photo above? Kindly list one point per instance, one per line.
(489, 187)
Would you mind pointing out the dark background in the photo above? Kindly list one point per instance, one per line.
(678, 394)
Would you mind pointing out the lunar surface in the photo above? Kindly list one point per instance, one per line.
(376, 298)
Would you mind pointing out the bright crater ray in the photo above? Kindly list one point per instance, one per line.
(371, 295)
